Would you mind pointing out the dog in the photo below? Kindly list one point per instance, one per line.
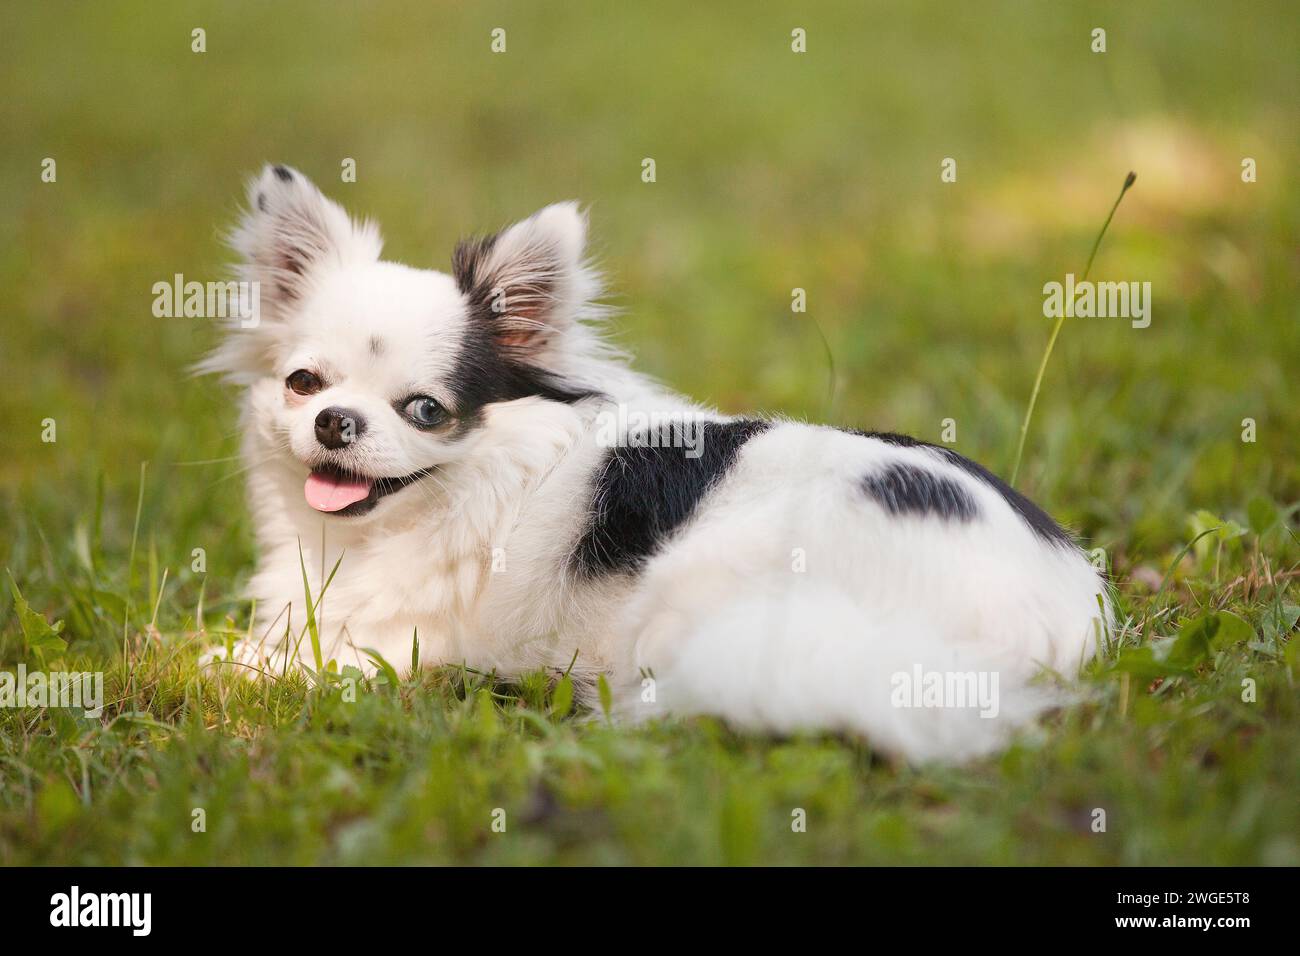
(461, 463)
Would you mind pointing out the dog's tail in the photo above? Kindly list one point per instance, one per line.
(815, 661)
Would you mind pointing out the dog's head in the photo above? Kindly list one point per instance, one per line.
(371, 374)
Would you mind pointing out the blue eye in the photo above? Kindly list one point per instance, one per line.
(424, 411)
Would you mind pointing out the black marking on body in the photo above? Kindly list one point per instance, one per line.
(376, 346)
(1038, 520)
(903, 489)
(282, 173)
(643, 495)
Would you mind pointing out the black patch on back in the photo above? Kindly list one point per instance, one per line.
(643, 495)
(907, 489)
(1039, 521)
(282, 173)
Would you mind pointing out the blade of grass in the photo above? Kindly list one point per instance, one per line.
(135, 536)
(311, 614)
(153, 621)
(1056, 331)
(312, 627)
(388, 670)
(830, 371)
(128, 669)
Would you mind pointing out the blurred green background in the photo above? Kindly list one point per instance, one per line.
(775, 170)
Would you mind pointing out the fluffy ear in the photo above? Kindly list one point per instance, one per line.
(291, 230)
(288, 234)
(527, 282)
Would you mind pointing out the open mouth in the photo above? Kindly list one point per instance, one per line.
(341, 492)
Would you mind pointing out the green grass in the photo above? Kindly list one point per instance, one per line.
(775, 171)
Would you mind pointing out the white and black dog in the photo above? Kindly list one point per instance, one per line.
(494, 475)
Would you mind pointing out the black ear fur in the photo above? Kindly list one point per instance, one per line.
(522, 287)
(521, 282)
(289, 229)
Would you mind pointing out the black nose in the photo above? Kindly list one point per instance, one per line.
(336, 427)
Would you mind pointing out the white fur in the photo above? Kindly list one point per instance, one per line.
(722, 620)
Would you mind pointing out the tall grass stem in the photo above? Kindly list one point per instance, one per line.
(1056, 331)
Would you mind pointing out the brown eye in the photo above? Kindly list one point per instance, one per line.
(304, 382)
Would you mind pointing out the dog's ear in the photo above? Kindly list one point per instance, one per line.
(290, 231)
(528, 281)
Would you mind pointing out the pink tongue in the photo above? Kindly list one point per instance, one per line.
(327, 493)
